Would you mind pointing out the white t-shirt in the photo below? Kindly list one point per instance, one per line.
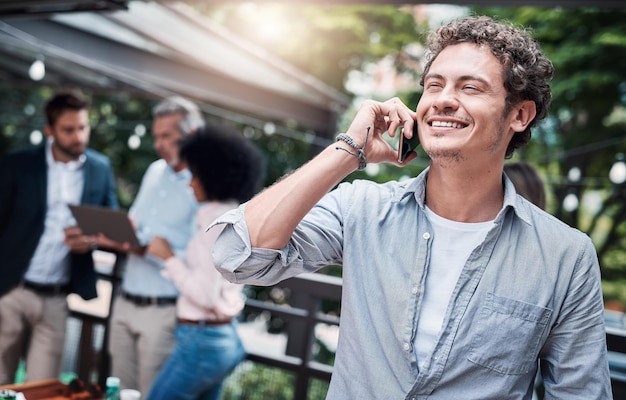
(452, 244)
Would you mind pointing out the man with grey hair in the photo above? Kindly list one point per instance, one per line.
(144, 313)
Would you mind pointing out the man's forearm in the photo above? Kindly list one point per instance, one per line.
(273, 214)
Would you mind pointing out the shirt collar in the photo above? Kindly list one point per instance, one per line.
(417, 188)
(512, 200)
(70, 165)
(183, 174)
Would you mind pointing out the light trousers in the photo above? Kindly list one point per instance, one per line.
(31, 325)
(140, 340)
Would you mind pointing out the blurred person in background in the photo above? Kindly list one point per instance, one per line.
(141, 332)
(529, 185)
(227, 169)
(44, 256)
(527, 182)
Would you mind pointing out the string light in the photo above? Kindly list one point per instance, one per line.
(37, 70)
(617, 173)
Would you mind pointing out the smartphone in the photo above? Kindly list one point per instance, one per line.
(405, 146)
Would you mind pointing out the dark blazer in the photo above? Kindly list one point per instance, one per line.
(23, 204)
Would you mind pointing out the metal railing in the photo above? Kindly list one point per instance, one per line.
(302, 298)
(306, 293)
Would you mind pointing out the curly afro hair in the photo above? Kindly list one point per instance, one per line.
(228, 166)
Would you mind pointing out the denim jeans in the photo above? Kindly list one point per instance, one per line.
(202, 358)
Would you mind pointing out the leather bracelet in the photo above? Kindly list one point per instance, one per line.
(359, 151)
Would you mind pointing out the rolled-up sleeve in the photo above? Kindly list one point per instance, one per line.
(316, 242)
(236, 259)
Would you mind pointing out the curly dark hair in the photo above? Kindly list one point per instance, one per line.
(527, 71)
(228, 166)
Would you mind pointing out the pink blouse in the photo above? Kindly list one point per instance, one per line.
(203, 292)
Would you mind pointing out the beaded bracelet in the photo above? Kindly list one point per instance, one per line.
(360, 151)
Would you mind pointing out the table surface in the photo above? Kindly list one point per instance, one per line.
(49, 389)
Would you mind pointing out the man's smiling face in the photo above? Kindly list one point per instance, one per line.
(460, 113)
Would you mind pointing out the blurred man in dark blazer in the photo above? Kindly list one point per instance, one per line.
(42, 256)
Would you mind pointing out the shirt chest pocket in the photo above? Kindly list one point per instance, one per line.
(508, 335)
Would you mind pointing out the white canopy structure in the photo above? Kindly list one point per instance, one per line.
(167, 48)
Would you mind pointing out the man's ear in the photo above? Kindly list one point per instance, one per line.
(525, 112)
(47, 130)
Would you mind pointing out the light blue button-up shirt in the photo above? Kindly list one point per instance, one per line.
(165, 206)
(531, 290)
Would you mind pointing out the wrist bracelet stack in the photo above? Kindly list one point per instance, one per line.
(359, 151)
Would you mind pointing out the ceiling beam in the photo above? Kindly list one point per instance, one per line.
(163, 76)
(39, 8)
(482, 3)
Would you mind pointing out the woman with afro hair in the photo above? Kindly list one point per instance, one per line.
(227, 169)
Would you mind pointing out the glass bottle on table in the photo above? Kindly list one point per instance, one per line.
(8, 394)
(113, 388)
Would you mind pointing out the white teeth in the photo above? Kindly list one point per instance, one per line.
(447, 124)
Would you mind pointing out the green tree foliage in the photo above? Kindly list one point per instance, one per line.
(113, 118)
(254, 382)
(121, 129)
(326, 41)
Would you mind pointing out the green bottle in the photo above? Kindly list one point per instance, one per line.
(8, 395)
(113, 388)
